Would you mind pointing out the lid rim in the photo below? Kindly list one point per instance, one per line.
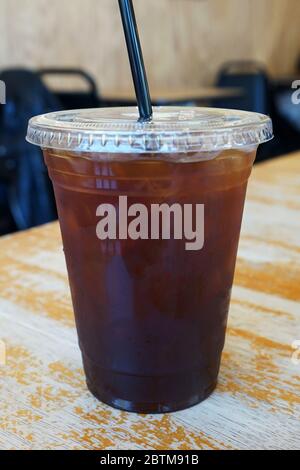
(174, 130)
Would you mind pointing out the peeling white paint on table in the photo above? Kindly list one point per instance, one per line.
(44, 401)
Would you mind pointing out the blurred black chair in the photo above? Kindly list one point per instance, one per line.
(75, 99)
(256, 93)
(253, 81)
(25, 190)
(286, 120)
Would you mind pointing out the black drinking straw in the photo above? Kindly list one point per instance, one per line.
(136, 60)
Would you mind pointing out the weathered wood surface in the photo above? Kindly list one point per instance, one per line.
(44, 401)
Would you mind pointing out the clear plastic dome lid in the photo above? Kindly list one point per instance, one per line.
(172, 130)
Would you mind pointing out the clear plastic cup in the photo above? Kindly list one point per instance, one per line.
(151, 314)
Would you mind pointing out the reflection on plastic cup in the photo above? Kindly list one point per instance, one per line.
(151, 315)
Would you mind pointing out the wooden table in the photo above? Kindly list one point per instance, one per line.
(44, 401)
(180, 95)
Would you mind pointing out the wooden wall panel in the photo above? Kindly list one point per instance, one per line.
(184, 41)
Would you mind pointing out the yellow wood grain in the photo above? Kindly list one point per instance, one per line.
(44, 401)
